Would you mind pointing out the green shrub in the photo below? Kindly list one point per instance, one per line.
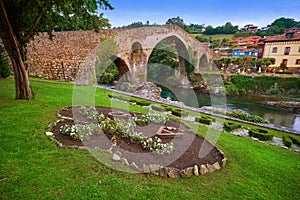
(287, 141)
(204, 120)
(143, 103)
(178, 112)
(167, 108)
(286, 72)
(132, 100)
(295, 140)
(261, 84)
(4, 65)
(260, 134)
(246, 117)
(230, 126)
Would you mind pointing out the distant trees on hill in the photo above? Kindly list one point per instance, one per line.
(228, 28)
(278, 26)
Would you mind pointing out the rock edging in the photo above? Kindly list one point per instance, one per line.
(162, 171)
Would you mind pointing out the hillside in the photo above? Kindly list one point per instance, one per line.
(215, 37)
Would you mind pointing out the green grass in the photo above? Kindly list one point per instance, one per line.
(33, 167)
(216, 36)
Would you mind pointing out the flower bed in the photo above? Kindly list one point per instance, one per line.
(128, 137)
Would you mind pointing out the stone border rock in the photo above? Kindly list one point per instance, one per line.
(171, 172)
(166, 172)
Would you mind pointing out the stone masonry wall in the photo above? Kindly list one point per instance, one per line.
(61, 57)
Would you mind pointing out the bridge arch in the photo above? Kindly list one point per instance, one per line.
(204, 63)
(136, 47)
(180, 49)
(123, 68)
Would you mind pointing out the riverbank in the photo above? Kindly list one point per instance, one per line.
(292, 106)
(205, 111)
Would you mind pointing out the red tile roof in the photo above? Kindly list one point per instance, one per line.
(282, 37)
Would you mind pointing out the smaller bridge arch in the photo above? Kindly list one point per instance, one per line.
(204, 62)
(123, 68)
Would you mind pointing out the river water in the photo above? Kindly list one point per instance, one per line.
(251, 104)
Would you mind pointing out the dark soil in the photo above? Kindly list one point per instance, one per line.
(189, 148)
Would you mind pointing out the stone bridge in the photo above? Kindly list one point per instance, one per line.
(71, 52)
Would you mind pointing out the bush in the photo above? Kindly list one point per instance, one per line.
(178, 112)
(262, 84)
(246, 117)
(4, 65)
(167, 108)
(230, 126)
(204, 120)
(260, 134)
(132, 100)
(287, 141)
(295, 140)
(143, 103)
(286, 72)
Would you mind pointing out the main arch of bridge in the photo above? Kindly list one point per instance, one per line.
(136, 45)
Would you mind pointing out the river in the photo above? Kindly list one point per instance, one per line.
(251, 104)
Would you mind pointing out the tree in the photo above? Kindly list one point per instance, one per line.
(278, 26)
(20, 20)
(285, 23)
(135, 25)
(177, 21)
(228, 28)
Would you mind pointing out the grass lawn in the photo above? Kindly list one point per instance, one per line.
(215, 37)
(33, 167)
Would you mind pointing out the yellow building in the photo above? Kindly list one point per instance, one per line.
(284, 48)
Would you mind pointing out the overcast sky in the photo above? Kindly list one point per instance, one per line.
(209, 12)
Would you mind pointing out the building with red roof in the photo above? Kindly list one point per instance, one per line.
(285, 48)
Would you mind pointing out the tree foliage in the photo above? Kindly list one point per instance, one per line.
(245, 62)
(279, 26)
(177, 21)
(162, 62)
(22, 19)
(228, 28)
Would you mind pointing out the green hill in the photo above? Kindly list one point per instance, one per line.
(215, 37)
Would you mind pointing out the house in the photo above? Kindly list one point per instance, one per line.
(245, 41)
(264, 28)
(250, 28)
(241, 52)
(285, 48)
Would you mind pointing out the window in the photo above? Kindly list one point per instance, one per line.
(284, 61)
(298, 62)
(287, 50)
(274, 50)
(289, 35)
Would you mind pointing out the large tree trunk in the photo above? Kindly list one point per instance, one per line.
(11, 44)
